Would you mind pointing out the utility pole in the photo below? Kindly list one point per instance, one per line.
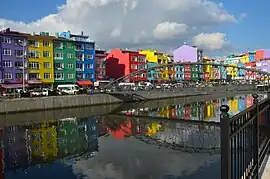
(23, 42)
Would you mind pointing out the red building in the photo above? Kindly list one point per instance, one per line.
(100, 65)
(251, 75)
(187, 72)
(121, 62)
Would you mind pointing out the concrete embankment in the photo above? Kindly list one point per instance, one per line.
(59, 102)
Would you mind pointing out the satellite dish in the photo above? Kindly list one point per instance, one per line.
(185, 43)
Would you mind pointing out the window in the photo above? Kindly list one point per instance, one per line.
(69, 45)
(58, 45)
(89, 66)
(71, 76)
(33, 43)
(19, 64)
(6, 40)
(141, 58)
(47, 65)
(89, 75)
(46, 43)
(58, 55)
(133, 66)
(8, 75)
(89, 46)
(46, 54)
(34, 76)
(90, 56)
(7, 64)
(47, 75)
(18, 53)
(59, 66)
(70, 65)
(79, 66)
(33, 54)
(59, 76)
(19, 75)
(33, 65)
(141, 66)
(133, 58)
(6, 51)
(70, 55)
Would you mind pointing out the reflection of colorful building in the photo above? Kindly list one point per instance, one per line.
(44, 142)
(153, 128)
(16, 147)
(1, 155)
(124, 130)
(92, 133)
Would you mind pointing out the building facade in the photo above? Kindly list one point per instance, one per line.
(152, 75)
(121, 62)
(64, 61)
(100, 65)
(40, 57)
(85, 57)
(13, 59)
(185, 53)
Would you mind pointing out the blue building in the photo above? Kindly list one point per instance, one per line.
(152, 75)
(241, 73)
(179, 73)
(85, 56)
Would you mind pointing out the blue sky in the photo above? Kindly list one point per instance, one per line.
(250, 33)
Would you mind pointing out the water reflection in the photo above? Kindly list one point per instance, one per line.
(104, 147)
(120, 147)
(202, 110)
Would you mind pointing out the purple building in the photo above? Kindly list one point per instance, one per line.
(185, 53)
(267, 54)
(13, 59)
(263, 65)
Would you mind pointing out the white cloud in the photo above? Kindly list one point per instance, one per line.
(133, 22)
(210, 41)
(167, 30)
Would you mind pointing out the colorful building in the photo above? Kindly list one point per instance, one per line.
(100, 65)
(40, 59)
(121, 62)
(44, 141)
(153, 56)
(64, 61)
(13, 48)
(85, 57)
(179, 73)
(152, 75)
(185, 53)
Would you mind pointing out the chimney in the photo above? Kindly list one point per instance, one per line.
(82, 33)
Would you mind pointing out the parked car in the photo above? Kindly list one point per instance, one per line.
(68, 89)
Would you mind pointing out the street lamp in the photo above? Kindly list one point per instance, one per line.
(23, 43)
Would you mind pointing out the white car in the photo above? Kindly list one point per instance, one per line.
(45, 92)
(68, 89)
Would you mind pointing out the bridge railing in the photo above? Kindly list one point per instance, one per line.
(245, 140)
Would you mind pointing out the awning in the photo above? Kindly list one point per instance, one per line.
(33, 82)
(13, 85)
(84, 83)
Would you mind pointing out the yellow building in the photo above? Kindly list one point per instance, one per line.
(40, 58)
(208, 68)
(232, 71)
(244, 59)
(153, 56)
(44, 141)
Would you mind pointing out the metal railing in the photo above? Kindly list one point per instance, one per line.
(245, 140)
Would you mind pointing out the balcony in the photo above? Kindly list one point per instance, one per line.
(79, 69)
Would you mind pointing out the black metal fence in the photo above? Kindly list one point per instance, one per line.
(245, 140)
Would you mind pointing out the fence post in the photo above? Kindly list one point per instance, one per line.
(256, 135)
(225, 142)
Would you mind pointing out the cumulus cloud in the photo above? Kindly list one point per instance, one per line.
(129, 23)
(210, 41)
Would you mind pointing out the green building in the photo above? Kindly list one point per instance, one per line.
(194, 72)
(64, 62)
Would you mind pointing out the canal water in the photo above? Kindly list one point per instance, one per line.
(143, 143)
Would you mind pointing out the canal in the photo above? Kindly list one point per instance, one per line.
(173, 141)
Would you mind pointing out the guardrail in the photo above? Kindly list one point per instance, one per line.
(245, 140)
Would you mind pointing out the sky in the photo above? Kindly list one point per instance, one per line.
(219, 27)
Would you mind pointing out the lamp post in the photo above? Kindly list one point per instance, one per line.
(23, 42)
